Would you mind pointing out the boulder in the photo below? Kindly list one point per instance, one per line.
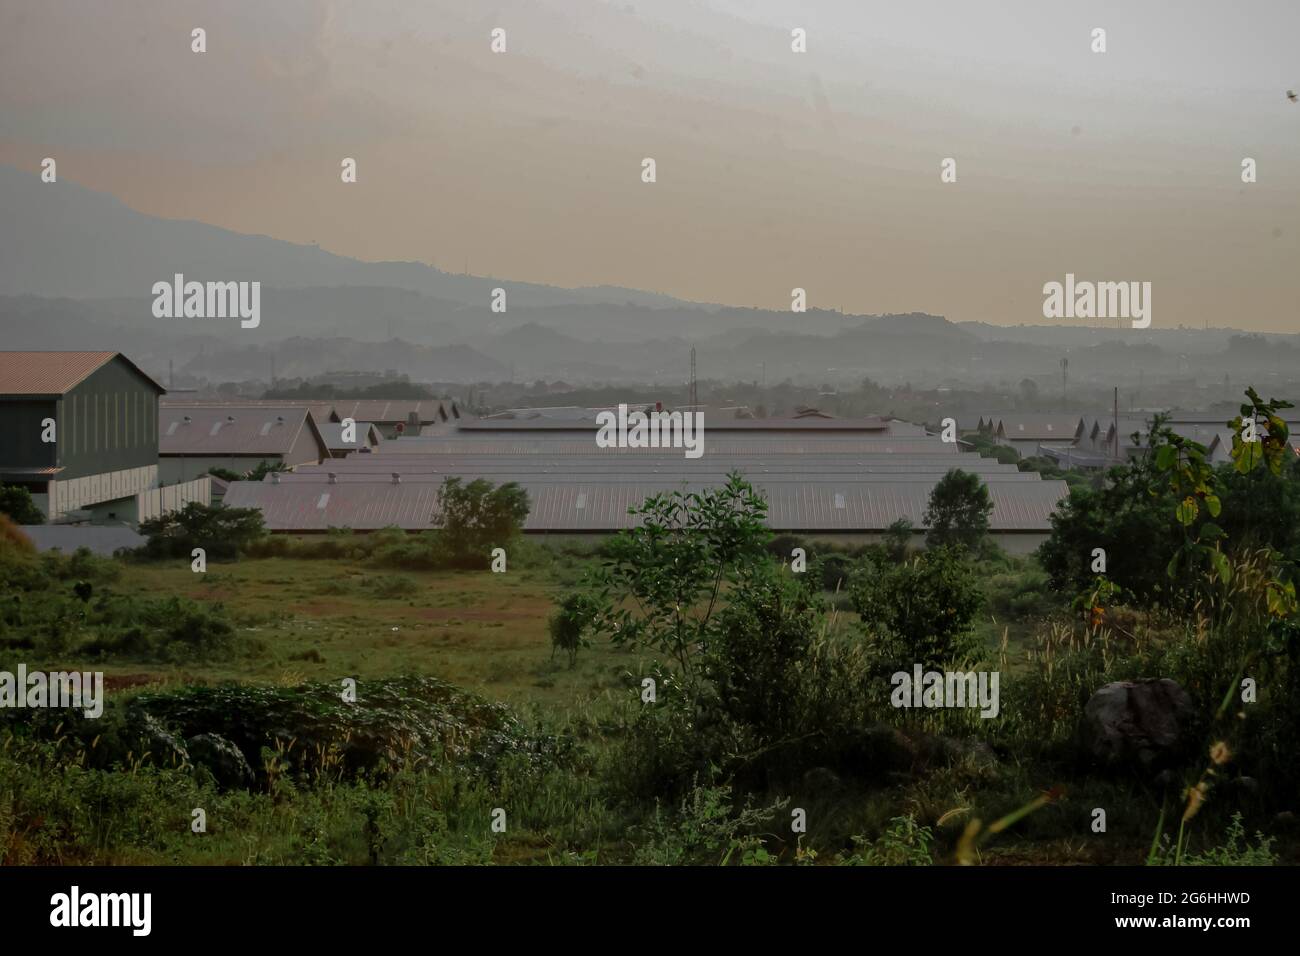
(1140, 722)
(226, 762)
(166, 749)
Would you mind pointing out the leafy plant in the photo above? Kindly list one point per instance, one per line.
(958, 511)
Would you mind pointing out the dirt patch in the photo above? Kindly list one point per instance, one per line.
(477, 614)
(123, 681)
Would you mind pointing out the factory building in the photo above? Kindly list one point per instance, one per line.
(822, 477)
(79, 431)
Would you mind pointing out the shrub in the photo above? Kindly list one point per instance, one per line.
(920, 611)
(16, 504)
(222, 532)
(904, 843)
(569, 624)
(958, 511)
(477, 517)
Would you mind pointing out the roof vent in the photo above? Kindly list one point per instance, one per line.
(187, 419)
(582, 501)
(839, 502)
(333, 478)
(275, 477)
(397, 478)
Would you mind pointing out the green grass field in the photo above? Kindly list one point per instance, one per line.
(329, 619)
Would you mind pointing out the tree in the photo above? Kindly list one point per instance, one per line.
(16, 502)
(477, 517)
(676, 564)
(920, 611)
(568, 625)
(221, 532)
(1028, 392)
(898, 540)
(958, 512)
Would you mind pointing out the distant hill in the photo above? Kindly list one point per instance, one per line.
(62, 239)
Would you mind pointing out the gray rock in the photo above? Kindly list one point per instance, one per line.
(1138, 722)
(226, 762)
(166, 749)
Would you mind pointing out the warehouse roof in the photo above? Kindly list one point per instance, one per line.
(387, 411)
(56, 373)
(712, 423)
(1052, 427)
(427, 411)
(753, 445)
(577, 506)
(226, 430)
(332, 434)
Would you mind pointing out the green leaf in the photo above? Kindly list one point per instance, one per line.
(1211, 532)
(1213, 505)
(1166, 455)
(1187, 511)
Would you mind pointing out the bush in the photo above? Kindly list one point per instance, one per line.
(477, 517)
(17, 505)
(569, 624)
(221, 532)
(920, 611)
(958, 511)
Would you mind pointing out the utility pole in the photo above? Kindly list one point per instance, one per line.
(1115, 423)
(694, 393)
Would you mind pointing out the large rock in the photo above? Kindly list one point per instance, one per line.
(226, 762)
(1138, 722)
(164, 747)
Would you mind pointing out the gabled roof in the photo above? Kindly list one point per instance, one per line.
(227, 430)
(427, 411)
(1039, 427)
(56, 373)
(332, 434)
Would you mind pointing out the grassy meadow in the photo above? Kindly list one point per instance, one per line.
(563, 751)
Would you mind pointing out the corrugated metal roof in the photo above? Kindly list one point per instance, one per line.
(225, 430)
(752, 445)
(427, 411)
(54, 373)
(554, 506)
(379, 464)
(711, 423)
(332, 434)
(389, 411)
(1039, 427)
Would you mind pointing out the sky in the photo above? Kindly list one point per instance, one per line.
(775, 169)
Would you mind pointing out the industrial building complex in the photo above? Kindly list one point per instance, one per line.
(820, 476)
(120, 451)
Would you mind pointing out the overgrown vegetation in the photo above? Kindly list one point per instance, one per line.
(738, 707)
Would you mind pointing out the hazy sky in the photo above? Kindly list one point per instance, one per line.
(775, 169)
